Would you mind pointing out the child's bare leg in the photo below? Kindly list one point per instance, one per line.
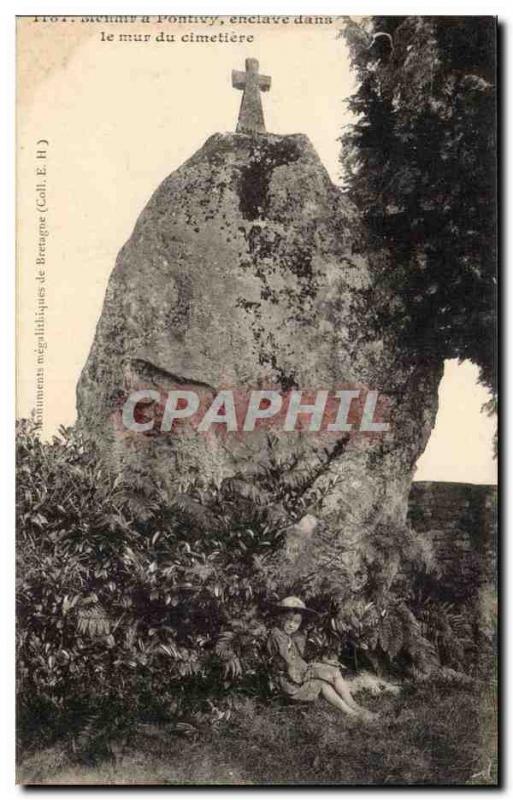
(329, 693)
(345, 693)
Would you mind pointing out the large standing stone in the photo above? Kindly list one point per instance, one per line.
(240, 272)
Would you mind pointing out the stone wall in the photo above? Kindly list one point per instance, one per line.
(460, 520)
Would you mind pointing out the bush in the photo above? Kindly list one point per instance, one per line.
(130, 607)
(120, 599)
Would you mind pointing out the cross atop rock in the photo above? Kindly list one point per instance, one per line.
(251, 115)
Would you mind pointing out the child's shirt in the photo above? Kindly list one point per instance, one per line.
(287, 656)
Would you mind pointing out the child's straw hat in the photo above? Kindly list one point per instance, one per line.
(292, 603)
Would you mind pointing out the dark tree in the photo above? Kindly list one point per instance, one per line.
(420, 164)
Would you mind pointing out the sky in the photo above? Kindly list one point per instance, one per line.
(119, 117)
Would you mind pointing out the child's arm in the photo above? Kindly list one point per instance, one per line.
(285, 659)
(278, 644)
(300, 639)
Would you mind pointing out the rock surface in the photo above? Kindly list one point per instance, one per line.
(240, 272)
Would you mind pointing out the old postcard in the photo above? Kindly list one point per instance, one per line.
(256, 396)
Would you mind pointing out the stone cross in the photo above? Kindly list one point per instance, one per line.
(251, 115)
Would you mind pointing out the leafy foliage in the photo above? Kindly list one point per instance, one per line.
(420, 165)
(131, 608)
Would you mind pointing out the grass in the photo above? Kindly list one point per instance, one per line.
(429, 735)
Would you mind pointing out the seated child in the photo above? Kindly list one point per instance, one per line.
(298, 679)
